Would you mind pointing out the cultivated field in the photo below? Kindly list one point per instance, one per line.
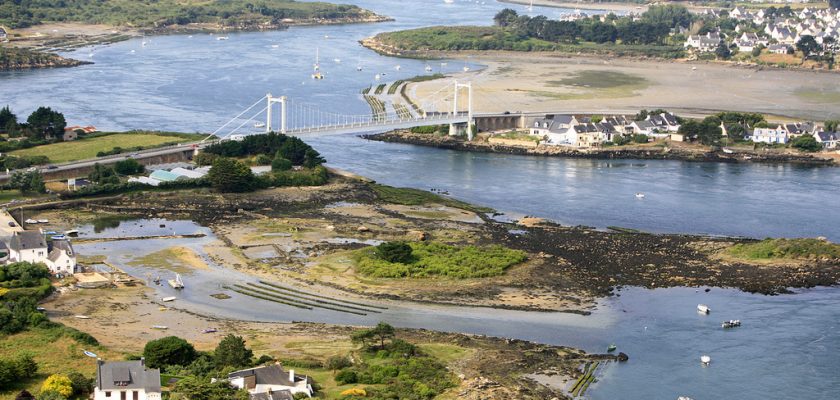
(88, 148)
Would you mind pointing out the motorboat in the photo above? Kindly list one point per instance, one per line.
(170, 298)
(466, 69)
(337, 60)
(31, 221)
(43, 221)
(72, 233)
(705, 360)
(732, 323)
(160, 327)
(80, 316)
(259, 124)
(640, 195)
(210, 330)
(90, 354)
(222, 38)
(611, 348)
(727, 151)
(398, 67)
(703, 309)
(428, 68)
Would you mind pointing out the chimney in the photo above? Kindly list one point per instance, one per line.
(292, 375)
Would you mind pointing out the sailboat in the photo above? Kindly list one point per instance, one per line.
(449, 1)
(317, 67)
(531, 6)
(428, 68)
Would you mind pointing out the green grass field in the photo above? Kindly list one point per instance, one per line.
(88, 148)
(786, 249)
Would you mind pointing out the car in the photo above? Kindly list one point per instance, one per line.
(133, 155)
(52, 167)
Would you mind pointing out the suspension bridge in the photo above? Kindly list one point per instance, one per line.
(388, 112)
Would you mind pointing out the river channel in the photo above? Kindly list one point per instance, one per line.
(784, 350)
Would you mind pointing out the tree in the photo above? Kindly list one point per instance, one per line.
(832, 125)
(229, 175)
(362, 337)
(50, 395)
(44, 123)
(170, 350)
(129, 166)
(383, 332)
(195, 388)
(17, 369)
(232, 352)
(707, 131)
(312, 158)
(280, 163)
(28, 181)
(103, 175)
(722, 51)
(806, 143)
(81, 384)
(671, 15)
(395, 252)
(60, 384)
(505, 17)
(337, 362)
(8, 120)
(294, 150)
(808, 46)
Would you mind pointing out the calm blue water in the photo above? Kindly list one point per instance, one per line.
(784, 349)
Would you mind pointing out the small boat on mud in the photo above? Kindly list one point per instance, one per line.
(732, 323)
(210, 330)
(160, 327)
(80, 316)
(170, 298)
(727, 151)
(640, 195)
(176, 283)
(31, 221)
(703, 309)
(72, 233)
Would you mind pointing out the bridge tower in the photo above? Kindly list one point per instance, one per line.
(453, 129)
(271, 100)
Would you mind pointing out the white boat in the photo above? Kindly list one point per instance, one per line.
(398, 67)
(31, 221)
(640, 195)
(377, 77)
(358, 68)
(732, 323)
(176, 283)
(170, 298)
(222, 38)
(43, 221)
(466, 69)
(704, 309)
(706, 360)
(531, 6)
(694, 68)
(90, 354)
(275, 46)
(259, 124)
(160, 327)
(337, 60)
(684, 398)
(428, 68)
(80, 316)
(449, 1)
(727, 151)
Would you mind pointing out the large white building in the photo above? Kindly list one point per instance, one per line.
(32, 246)
(270, 382)
(126, 380)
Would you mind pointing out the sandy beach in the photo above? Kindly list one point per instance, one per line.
(553, 83)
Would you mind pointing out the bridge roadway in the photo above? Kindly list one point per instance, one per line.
(63, 169)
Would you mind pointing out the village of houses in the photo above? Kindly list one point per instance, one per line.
(583, 132)
(762, 29)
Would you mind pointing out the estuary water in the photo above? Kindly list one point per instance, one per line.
(196, 83)
(785, 349)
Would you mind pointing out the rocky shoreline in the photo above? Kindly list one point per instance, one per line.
(663, 153)
(20, 59)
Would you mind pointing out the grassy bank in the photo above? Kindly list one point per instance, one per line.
(415, 197)
(481, 38)
(162, 13)
(440, 260)
(105, 143)
(786, 249)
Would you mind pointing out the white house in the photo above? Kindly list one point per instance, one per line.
(29, 246)
(828, 140)
(703, 43)
(126, 380)
(770, 135)
(556, 129)
(61, 259)
(270, 381)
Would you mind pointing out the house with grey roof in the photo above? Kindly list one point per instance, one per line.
(126, 380)
(555, 129)
(29, 246)
(828, 140)
(61, 259)
(271, 382)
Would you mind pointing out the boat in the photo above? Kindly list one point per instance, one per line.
(398, 67)
(727, 151)
(337, 60)
(157, 280)
(162, 308)
(684, 398)
(611, 348)
(275, 46)
(170, 298)
(531, 6)
(640, 195)
(58, 237)
(80, 316)
(377, 77)
(449, 1)
(160, 327)
(316, 74)
(259, 125)
(732, 323)
(72, 233)
(428, 68)
(705, 360)
(694, 68)
(210, 330)
(42, 309)
(31, 221)
(43, 221)
(90, 354)
(703, 309)
(466, 69)
(176, 283)
(222, 38)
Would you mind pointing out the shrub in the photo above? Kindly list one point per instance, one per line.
(81, 384)
(280, 164)
(232, 352)
(806, 143)
(438, 259)
(129, 166)
(346, 376)
(395, 252)
(262, 159)
(229, 175)
(60, 384)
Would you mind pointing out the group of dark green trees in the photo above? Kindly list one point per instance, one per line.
(42, 125)
(653, 28)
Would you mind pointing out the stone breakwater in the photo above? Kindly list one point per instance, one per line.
(650, 153)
